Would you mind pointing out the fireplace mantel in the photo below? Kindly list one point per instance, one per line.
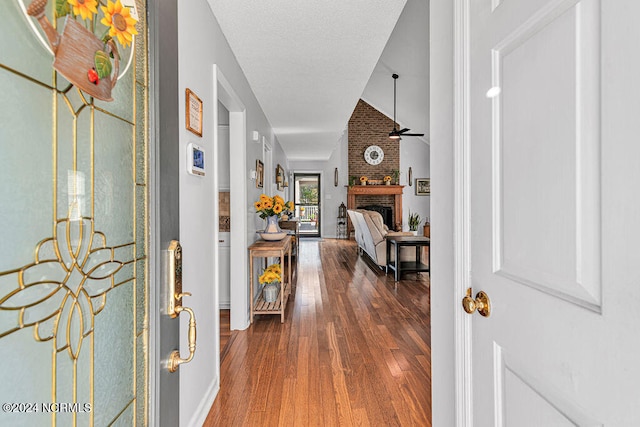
(378, 190)
(375, 190)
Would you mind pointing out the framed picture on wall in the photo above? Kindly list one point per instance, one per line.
(193, 112)
(259, 174)
(280, 178)
(423, 186)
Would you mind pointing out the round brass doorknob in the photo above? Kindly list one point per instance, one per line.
(482, 303)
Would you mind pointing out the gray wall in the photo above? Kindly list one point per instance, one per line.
(442, 274)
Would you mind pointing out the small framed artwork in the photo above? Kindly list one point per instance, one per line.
(280, 178)
(259, 174)
(423, 186)
(193, 112)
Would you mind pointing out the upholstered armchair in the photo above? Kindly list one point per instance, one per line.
(371, 233)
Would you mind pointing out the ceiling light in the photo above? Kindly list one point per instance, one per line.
(395, 133)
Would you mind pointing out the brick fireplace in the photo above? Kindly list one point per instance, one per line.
(355, 192)
(368, 126)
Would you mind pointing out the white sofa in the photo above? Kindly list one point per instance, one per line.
(371, 233)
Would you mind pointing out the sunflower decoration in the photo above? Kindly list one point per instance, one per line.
(387, 178)
(288, 207)
(85, 8)
(269, 206)
(272, 274)
(119, 21)
(117, 18)
(119, 26)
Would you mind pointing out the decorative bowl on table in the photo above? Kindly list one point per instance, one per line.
(271, 208)
(272, 236)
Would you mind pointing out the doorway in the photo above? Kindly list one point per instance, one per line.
(307, 197)
(224, 226)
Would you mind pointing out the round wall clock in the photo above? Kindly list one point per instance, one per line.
(373, 155)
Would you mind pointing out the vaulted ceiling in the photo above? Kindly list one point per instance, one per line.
(308, 63)
(406, 54)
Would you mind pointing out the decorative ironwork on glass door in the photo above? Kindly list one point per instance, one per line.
(73, 185)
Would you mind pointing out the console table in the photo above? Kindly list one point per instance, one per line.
(292, 225)
(400, 267)
(265, 249)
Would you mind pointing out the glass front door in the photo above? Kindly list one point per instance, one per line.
(73, 205)
(307, 203)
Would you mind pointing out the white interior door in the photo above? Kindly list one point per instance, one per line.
(554, 216)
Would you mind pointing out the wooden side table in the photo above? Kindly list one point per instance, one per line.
(266, 249)
(292, 225)
(407, 266)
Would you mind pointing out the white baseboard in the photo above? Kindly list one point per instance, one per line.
(200, 415)
(225, 305)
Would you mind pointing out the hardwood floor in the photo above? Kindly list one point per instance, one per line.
(226, 335)
(354, 350)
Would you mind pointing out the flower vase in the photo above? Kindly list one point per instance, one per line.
(387, 183)
(272, 231)
(270, 292)
(272, 225)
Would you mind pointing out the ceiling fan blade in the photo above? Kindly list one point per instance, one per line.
(401, 131)
(413, 134)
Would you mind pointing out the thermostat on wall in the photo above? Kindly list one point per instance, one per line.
(195, 159)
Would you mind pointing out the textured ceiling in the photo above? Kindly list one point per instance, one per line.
(308, 62)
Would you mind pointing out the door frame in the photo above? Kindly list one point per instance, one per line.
(449, 115)
(163, 391)
(320, 204)
(462, 216)
(224, 93)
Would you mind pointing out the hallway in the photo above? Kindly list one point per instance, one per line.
(352, 351)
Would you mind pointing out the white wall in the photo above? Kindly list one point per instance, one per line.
(201, 45)
(222, 154)
(442, 274)
(331, 196)
(414, 153)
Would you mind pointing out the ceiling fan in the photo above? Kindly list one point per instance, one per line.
(395, 133)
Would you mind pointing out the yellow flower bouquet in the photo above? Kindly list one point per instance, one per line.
(269, 206)
(272, 274)
(270, 278)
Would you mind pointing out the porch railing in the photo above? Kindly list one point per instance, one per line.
(307, 213)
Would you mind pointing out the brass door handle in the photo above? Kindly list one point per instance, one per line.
(183, 294)
(174, 359)
(482, 303)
